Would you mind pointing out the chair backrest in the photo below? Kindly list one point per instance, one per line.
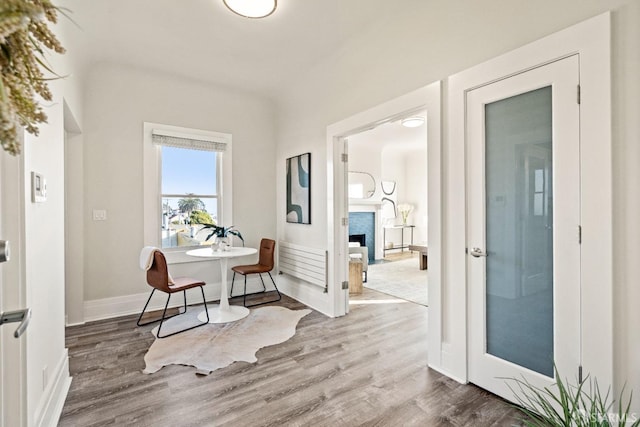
(158, 274)
(267, 249)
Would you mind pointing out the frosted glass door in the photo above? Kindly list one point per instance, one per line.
(523, 210)
(519, 206)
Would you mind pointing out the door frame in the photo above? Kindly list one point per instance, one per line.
(427, 97)
(591, 41)
(487, 370)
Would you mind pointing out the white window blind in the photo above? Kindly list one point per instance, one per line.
(192, 142)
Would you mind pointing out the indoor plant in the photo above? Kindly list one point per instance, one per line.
(24, 35)
(566, 405)
(221, 232)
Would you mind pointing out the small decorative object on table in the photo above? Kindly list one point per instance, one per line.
(405, 209)
(221, 236)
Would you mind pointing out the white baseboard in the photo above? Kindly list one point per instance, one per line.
(447, 373)
(308, 294)
(107, 308)
(445, 367)
(50, 407)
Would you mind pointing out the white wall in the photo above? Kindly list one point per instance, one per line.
(447, 38)
(44, 258)
(407, 167)
(118, 100)
(416, 194)
(47, 376)
(626, 198)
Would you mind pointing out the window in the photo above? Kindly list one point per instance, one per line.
(189, 195)
(185, 170)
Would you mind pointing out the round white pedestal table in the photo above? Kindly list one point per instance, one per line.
(224, 312)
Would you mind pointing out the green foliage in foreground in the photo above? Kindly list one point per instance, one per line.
(569, 405)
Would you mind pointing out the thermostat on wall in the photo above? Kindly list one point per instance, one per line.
(38, 188)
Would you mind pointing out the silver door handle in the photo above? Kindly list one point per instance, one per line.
(22, 316)
(4, 250)
(477, 252)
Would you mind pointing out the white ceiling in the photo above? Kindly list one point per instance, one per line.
(393, 135)
(202, 40)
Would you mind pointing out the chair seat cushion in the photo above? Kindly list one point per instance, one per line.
(251, 269)
(182, 283)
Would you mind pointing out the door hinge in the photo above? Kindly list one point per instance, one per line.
(344, 157)
(579, 374)
(345, 285)
(344, 221)
(579, 95)
(579, 234)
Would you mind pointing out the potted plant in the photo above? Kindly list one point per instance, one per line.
(221, 233)
(568, 405)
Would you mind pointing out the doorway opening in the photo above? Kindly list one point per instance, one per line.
(375, 192)
(387, 205)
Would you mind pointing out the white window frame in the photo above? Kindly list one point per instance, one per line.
(152, 177)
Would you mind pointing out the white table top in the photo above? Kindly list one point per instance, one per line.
(231, 253)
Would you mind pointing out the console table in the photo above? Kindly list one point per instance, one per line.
(402, 245)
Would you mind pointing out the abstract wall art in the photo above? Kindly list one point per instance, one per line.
(299, 189)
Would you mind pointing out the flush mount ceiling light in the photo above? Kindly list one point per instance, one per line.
(413, 122)
(252, 8)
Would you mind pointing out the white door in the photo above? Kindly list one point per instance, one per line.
(523, 181)
(12, 350)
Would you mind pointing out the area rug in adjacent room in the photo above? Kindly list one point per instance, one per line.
(215, 346)
(401, 279)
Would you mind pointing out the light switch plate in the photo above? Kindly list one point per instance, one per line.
(38, 188)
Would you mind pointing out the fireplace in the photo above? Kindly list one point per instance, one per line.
(360, 238)
(362, 230)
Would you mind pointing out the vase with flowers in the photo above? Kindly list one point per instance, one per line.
(405, 209)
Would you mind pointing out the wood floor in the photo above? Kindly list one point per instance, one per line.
(368, 368)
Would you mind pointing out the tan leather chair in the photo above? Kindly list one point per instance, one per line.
(265, 265)
(158, 278)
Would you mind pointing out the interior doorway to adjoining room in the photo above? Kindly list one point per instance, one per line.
(387, 204)
(425, 101)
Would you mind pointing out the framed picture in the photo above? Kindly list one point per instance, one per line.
(299, 189)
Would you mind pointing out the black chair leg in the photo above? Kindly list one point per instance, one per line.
(244, 295)
(162, 319)
(143, 310)
(204, 302)
(265, 289)
(164, 313)
(232, 280)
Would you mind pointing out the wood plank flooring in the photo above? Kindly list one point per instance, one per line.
(365, 369)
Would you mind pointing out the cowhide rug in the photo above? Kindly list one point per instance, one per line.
(215, 346)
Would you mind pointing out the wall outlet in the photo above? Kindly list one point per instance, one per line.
(99, 215)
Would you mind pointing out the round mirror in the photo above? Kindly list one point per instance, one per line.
(362, 185)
